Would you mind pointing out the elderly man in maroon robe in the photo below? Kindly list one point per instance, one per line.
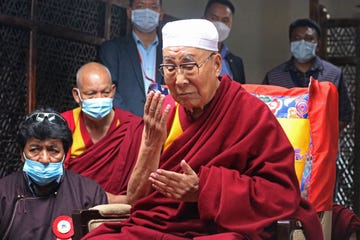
(214, 163)
(106, 139)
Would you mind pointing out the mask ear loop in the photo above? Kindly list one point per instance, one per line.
(25, 156)
(63, 159)
(78, 91)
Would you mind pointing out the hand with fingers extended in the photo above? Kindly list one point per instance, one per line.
(153, 138)
(182, 186)
(155, 133)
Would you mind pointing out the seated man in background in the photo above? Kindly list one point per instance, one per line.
(43, 194)
(206, 169)
(221, 12)
(304, 38)
(106, 139)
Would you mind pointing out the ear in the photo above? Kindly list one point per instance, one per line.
(76, 95)
(128, 13)
(318, 47)
(113, 89)
(161, 17)
(22, 156)
(218, 67)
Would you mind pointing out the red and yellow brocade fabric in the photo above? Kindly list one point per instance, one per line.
(310, 120)
(110, 161)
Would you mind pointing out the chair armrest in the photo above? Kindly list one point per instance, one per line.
(288, 229)
(292, 229)
(114, 209)
(85, 220)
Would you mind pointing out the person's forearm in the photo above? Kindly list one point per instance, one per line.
(112, 198)
(147, 162)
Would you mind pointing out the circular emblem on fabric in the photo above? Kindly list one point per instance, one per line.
(63, 227)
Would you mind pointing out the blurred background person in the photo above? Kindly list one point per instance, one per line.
(221, 12)
(133, 60)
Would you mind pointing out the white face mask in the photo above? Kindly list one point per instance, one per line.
(146, 20)
(222, 29)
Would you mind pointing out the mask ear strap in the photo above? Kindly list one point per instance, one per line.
(78, 91)
(25, 158)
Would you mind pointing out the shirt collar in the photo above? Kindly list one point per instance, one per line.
(138, 40)
(317, 66)
(224, 51)
(53, 187)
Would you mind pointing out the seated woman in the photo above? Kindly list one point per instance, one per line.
(36, 202)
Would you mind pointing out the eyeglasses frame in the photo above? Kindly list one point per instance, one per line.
(181, 65)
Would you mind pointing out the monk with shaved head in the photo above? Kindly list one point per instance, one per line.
(106, 139)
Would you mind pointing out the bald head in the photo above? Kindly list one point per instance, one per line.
(93, 80)
(92, 70)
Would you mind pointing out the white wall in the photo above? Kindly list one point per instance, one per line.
(260, 27)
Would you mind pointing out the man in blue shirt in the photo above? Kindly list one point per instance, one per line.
(133, 60)
(221, 12)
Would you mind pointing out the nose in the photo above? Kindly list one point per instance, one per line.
(44, 157)
(181, 79)
(179, 70)
(98, 95)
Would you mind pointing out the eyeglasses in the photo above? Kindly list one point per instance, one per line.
(188, 68)
(41, 116)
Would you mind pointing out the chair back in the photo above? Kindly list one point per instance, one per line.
(309, 117)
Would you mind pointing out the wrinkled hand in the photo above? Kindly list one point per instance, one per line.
(155, 133)
(181, 186)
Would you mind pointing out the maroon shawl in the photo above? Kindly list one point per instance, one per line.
(110, 161)
(344, 222)
(247, 179)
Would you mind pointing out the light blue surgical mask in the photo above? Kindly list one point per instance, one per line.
(303, 51)
(43, 174)
(96, 107)
(146, 20)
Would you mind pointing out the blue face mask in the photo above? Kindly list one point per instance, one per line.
(146, 20)
(96, 107)
(43, 174)
(303, 51)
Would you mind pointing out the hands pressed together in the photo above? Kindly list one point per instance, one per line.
(181, 186)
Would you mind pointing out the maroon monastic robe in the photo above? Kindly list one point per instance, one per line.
(344, 223)
(247, 179)
(110, 161)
